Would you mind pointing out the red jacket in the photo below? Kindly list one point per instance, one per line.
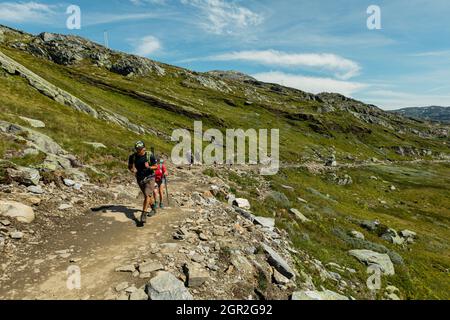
(160, 172)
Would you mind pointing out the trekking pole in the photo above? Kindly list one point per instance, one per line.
(167, 190)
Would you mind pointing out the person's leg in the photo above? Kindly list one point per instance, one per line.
(150, 190)
(160, 188)
(147, 203)
(154, 194)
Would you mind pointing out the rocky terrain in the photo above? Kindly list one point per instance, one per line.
(359, 209)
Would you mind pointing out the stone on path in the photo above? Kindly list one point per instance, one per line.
(19, 211)
(165, 286)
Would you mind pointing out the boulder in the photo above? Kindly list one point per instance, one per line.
(380, 260)
(196, 275)
(16, 235)
(370, 225)
(35, 189)
(241, 263)
(278, 278)
(276, 261)
(392, 236)
(33, 122)
(317, 295)
(150, 266)
(408, 234)
(299, 215)
(265, 222)
(241, 203)
(19, 211)
(165, 286)
(24, 175)
(126, 268)
(138, 295)
(96, 145)
(357, 234)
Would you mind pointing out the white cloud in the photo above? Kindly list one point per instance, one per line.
(105, 18)
(310, 84)
(147, 45)
(25, 11)
(343, 68)
(140, 2)
(432, 53)
(223, 17)
(389, 99)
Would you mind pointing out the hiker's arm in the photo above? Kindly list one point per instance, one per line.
(131, 167)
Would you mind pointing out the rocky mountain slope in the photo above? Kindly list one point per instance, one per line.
(432, 113)
(358, 186)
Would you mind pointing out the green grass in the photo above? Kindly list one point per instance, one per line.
(420, 203)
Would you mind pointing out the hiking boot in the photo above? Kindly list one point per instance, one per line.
(161, 206)
(143, 217)
(152, 213)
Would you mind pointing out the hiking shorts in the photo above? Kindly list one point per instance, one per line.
(147, 186)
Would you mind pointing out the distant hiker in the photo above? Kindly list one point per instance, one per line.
(160, 177)
(143, 163)
(190, 158)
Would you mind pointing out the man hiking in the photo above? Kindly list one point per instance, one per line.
(143, 163)
(160, 177)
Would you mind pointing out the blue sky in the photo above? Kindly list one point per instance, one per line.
(316, 46)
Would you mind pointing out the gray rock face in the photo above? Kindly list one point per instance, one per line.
(35, 189)
(357, 235)
(150, 266)
(16, 210)
(299, 215)
(408, 234)
(380, 260)
(265, 222)
(241, 203)
(138, 295)
(45, 87)
(96, 145)
(196, 275)
(278, 262)
(392, 236)
(17, 235)
(24, 175)
(33, 122)
(165, 286)
(317, 295)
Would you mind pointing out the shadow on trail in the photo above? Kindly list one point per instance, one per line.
(129, 212)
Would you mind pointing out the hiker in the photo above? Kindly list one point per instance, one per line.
(190, 158)
(143, 164)
(160, 177)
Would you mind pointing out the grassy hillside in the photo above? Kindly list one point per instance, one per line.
(310, 131)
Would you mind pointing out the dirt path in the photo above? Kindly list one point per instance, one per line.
(97, 242)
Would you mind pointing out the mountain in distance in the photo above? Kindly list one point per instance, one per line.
(431, 113)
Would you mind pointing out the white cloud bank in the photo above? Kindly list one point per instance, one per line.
(310, 84)
(25, 11)
(342, 67)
